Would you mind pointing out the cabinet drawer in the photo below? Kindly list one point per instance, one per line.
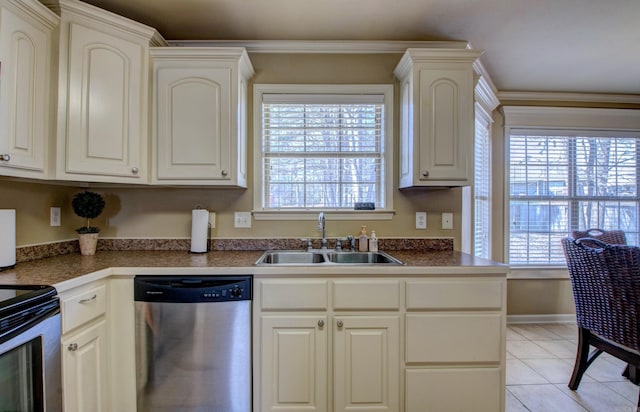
(371, 294)
(454, 294)
(440, 389)
(293, 294)
(453, 337)
(83, 306)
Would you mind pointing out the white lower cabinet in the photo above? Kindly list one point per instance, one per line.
(366, 363)
(379, 344)
(84, 363)
(454, 389)
(85, 348)
(294, 363)
(327, 360)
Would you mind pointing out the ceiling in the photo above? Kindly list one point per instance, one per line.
(583, 46)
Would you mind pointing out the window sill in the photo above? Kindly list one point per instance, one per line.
(538, 272)
(332, 215)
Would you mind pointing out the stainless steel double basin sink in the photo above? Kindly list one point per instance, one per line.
(324, 257)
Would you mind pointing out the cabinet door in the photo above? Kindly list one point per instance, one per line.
(294, 363)
(25, 53)
(366, 363)
(84, 369)
(105, 109)
(193, 115)
(454, 389)
(446, 124)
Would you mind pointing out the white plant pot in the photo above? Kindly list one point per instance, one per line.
(88, 243)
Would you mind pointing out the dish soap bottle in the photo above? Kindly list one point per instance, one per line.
(373, 242)
(362, 239)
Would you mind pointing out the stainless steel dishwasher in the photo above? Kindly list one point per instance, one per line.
(193, 343)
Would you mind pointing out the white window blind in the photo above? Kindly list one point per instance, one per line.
(322, 151)
(481, 189)
(559, 182)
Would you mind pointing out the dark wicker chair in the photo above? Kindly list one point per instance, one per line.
(606, 288)
(616, 237)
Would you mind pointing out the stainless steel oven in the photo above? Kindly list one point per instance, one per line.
(30, 378)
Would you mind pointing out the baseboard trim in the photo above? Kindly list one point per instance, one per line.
(559, 318)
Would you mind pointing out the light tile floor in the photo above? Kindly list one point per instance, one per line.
(540, 360)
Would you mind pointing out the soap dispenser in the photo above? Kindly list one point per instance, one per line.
(373, 242)
(362, 239)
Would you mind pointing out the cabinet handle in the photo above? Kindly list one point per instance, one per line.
(134, 170)
(320, 323)
(339, 323)
(224, 173)
(72, 347)
(425, 173)
(87, 300)
(5, 157)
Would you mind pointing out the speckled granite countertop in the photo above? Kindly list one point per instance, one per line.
(64, 271)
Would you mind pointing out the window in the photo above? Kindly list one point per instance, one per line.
(482, 187)
(561, 180)
(322, 147)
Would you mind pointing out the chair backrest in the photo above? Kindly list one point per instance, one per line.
(606, 288)
(616, 237)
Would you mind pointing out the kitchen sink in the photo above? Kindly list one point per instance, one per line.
(324, 257)
(293, 257)
(363, 258)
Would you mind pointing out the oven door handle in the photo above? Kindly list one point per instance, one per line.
(39, 314)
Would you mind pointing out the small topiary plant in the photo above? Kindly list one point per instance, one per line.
(88, 205)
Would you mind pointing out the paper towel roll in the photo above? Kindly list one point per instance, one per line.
(199, 230)
(7, 238)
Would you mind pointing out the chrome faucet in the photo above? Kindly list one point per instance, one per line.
(321, 226)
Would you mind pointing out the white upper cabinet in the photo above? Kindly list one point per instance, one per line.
(103, 95)
(200, 116)
(26, 28)
(436, 117)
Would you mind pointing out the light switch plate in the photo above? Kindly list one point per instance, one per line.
(242, 219)
(421, 220)
(447, 221)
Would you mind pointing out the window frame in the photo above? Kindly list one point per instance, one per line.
(564, 121)
(384, 90)
(483, 122)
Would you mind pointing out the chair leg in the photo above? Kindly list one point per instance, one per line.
(582, 358)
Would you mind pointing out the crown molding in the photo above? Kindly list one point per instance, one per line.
(568, 97)
(486, 93)
(322, 47)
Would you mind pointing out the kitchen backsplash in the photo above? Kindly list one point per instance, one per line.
(27, 253)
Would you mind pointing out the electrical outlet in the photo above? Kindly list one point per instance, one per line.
(212, 219)
(447, 221)
(54, 216)
(242, 219)
(421, 220)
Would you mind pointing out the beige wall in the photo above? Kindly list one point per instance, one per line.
(32, 202)
(166, 212)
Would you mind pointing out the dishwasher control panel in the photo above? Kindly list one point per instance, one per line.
(192, 289)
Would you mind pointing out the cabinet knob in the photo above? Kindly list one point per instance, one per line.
(72, 347)
(5, 157)
(339, 323)
(320, 323)
(134, 170)
(224, 173)
(425, 173)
